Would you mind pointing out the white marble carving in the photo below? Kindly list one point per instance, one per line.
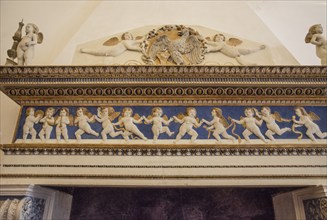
(188, 121)
(173, 45)
(128, 121)
(48, 122)
(25, 48)
(105, 116)
(30, 120)
(307, 119)
(250, 123)
(82, 119)
(157, 120)
(62, 121)
(315, 37)
(270, 119)
(228, 48)
(115, 47)
(218, 125)
(176, 45)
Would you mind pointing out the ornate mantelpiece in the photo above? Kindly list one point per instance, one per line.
(33, 202)
(173, 88)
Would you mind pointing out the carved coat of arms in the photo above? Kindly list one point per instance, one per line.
(173, 45)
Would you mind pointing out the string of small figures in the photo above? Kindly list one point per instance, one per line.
(127, 120)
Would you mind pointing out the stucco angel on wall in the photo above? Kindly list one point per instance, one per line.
(82, 120)
(115, 47)
(23, 47)
(158, 120)
(48, 121)
(250, 123)
(218, 125)
(32, 118)
(270, 120)
(128, 121)
(63, 120)
(188, 121)
(228, 48)
(105, 116)
(315, 37)
(307, 119)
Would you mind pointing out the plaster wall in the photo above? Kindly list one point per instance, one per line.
(66, 24)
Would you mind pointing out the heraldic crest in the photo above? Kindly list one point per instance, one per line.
(173, 44)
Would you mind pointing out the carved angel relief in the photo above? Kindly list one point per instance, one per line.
(250, 123)
(270, 119)
(158, 121)
(229, 49)
(115, 47)
(105, 116)
(31, 119)
(172, 45)
(127, 121)
(188, 121)
(307, 119)
(82, 120)
(126, 126)
(62, 120)
(219, 125)
(48, 122)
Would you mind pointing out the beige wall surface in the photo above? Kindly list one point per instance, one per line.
(9, 111)
(65, 24)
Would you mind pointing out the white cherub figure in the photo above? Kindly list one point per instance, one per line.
(157, 121)
(127, 121)
(218, 125)
(28, 127)
(114, 47)
(250, 123)
(315, 37)
(270, 120)
(219, 44)
(62, 121)
(82, 119)
(48, 122)
(105, 116)
(25, 48)
(188, 121)
(307, 119)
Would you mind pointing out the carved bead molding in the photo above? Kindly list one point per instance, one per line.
(165, 85)
(180, 72)
(80, 150)
(166, 91)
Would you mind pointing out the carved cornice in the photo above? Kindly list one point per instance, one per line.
(149, 85)
(169, 95)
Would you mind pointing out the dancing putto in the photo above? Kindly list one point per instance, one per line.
(128, 124)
